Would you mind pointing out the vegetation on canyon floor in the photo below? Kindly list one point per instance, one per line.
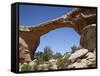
(47, 60)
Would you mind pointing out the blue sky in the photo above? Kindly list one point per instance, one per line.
(59, 40)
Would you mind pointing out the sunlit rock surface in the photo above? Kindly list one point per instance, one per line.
(86, 61)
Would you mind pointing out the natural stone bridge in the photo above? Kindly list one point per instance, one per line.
(80, 19)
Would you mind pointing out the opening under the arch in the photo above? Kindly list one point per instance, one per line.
(59, 40)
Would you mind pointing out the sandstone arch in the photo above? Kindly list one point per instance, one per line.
(77, 19)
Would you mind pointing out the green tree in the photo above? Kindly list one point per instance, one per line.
(66, 53)
(74, 48)
(47, 55)
(39, 57)
(57, 55)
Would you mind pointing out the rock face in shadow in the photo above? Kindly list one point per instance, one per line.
(32, 41)
(88, 37)
(78, 19)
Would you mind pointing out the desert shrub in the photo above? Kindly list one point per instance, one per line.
(60, 63)
(47, 55)
(65, 60)
(39, 61)
(26, 67)
(74, 48)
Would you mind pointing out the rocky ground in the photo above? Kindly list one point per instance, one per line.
(81, 58)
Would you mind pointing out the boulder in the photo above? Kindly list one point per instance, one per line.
(54, 67)
(85, 61)
(53, 64)
(32, 63)
(91, 57)
(52, 60)
(78, 54)
(77, 65)
(43, 67)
